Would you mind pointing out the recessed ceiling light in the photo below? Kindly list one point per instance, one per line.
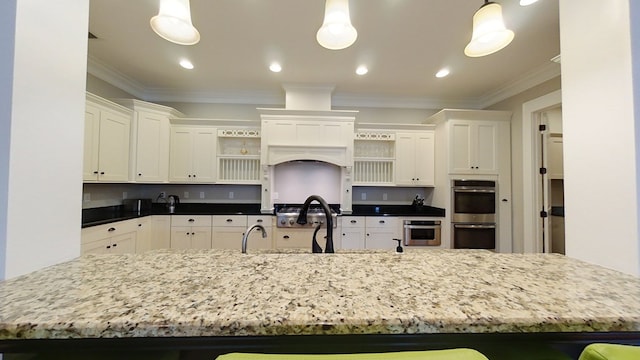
(275, 67)
(361, 70)
(442, 73)
(527, 2)
(186, 64)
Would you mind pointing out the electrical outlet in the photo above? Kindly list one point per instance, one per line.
(163, 194)
(124, 194)
(231, 194)
(186, 194)
(363, 196)
(201, 194)
(384, 196)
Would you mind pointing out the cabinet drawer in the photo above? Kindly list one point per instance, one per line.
(106, 231)
(190, 220)
(381, 222)
(230, 220)
(351, 222)
(264, 220)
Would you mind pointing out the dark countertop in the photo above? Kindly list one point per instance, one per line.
(109, 214)
(396, 210)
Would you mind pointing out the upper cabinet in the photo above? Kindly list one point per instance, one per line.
(150, 137)
(415, 152)
(474, 141)
(106, 141)
(192, 154)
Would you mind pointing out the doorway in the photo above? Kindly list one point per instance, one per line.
(550, 180)
(533, 234)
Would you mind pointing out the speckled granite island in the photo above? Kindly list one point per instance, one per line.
(224, 300)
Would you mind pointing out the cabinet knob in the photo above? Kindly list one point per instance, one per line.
(101, 172)
(95, 172)
(505, 200)
(193, 233)
(381, 222)
(108, 246)
(111, 229)
(139, 174)
(368, 234)
(194, 175)
(114, 245)
(189, 175)
(139, 225)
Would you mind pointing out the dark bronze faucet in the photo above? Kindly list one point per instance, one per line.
(302, 219)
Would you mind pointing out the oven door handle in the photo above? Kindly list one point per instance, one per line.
(422, 227)
(469, 226)
(491, 191)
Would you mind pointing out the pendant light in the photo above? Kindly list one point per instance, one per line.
(489, 31)
(336, 32)
(173, 22)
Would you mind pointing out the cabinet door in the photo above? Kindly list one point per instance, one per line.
(460, 147)
(143, 235)
(113, 157)
(379, 239)
(122, 244)
(204, 155)
(201, 238)
(405, 159)
(180, 237)
(152, 141)
(91, 143)
(425, 159)
(228, 238)
(94, 247)
(353, 238)
(180, 168)
(160, 232)
(485, 142)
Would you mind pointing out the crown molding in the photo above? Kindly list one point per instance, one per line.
(535, 77)
(112, 76)
(115, 78)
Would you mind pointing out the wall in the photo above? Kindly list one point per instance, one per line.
(514, 104)
(42, 132)
(600, 132)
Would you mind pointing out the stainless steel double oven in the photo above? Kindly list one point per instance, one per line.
(473, 218)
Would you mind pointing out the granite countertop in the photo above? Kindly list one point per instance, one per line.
(189, 293)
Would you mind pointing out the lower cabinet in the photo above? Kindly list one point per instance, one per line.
(160, 232)
(115, 238)
(228, 231)
(302, 238)
(191, 231)
(370, 232)
(143, 235)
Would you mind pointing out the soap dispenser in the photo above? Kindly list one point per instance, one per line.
(399, 248)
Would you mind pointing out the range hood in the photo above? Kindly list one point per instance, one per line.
(306, 130)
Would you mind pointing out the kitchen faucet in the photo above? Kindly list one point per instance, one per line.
(246, 235)
(302, 219)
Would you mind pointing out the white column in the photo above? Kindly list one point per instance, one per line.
(600, 134)
(43, 51)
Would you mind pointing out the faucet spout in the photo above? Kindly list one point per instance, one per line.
(246, 235)
(302, 219)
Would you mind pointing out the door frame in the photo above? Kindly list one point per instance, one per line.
(530, 152)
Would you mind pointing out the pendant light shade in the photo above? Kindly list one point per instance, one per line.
(336, 32)
(173, 22)
(489, 32)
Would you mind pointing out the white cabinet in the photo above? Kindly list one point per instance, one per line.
(353, 232)
(115, 238)
(373, 158)
(150, 134)
(415, 158)
(160, 232)
(228, 231)
(475, 146)
(190, 231)
(143, 234)
(380, 232)
(238, 156)
(192, 154)
(106, 141)
(301, 238)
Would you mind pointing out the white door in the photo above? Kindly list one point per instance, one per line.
(204, 155)
(460, 148)
(405, 159)
(484, 142)
(113, 158)
(152, 159)
(180, 168)
(425, 158)
(201, 238)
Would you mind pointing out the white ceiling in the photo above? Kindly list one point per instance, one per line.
(403, 42)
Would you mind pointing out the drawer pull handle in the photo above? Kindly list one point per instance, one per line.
(192, 220)
(381, 221)
(259, 220)
(114, 245)
(229, 220)
(111, 229)
(353, 221)
(285, 237)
